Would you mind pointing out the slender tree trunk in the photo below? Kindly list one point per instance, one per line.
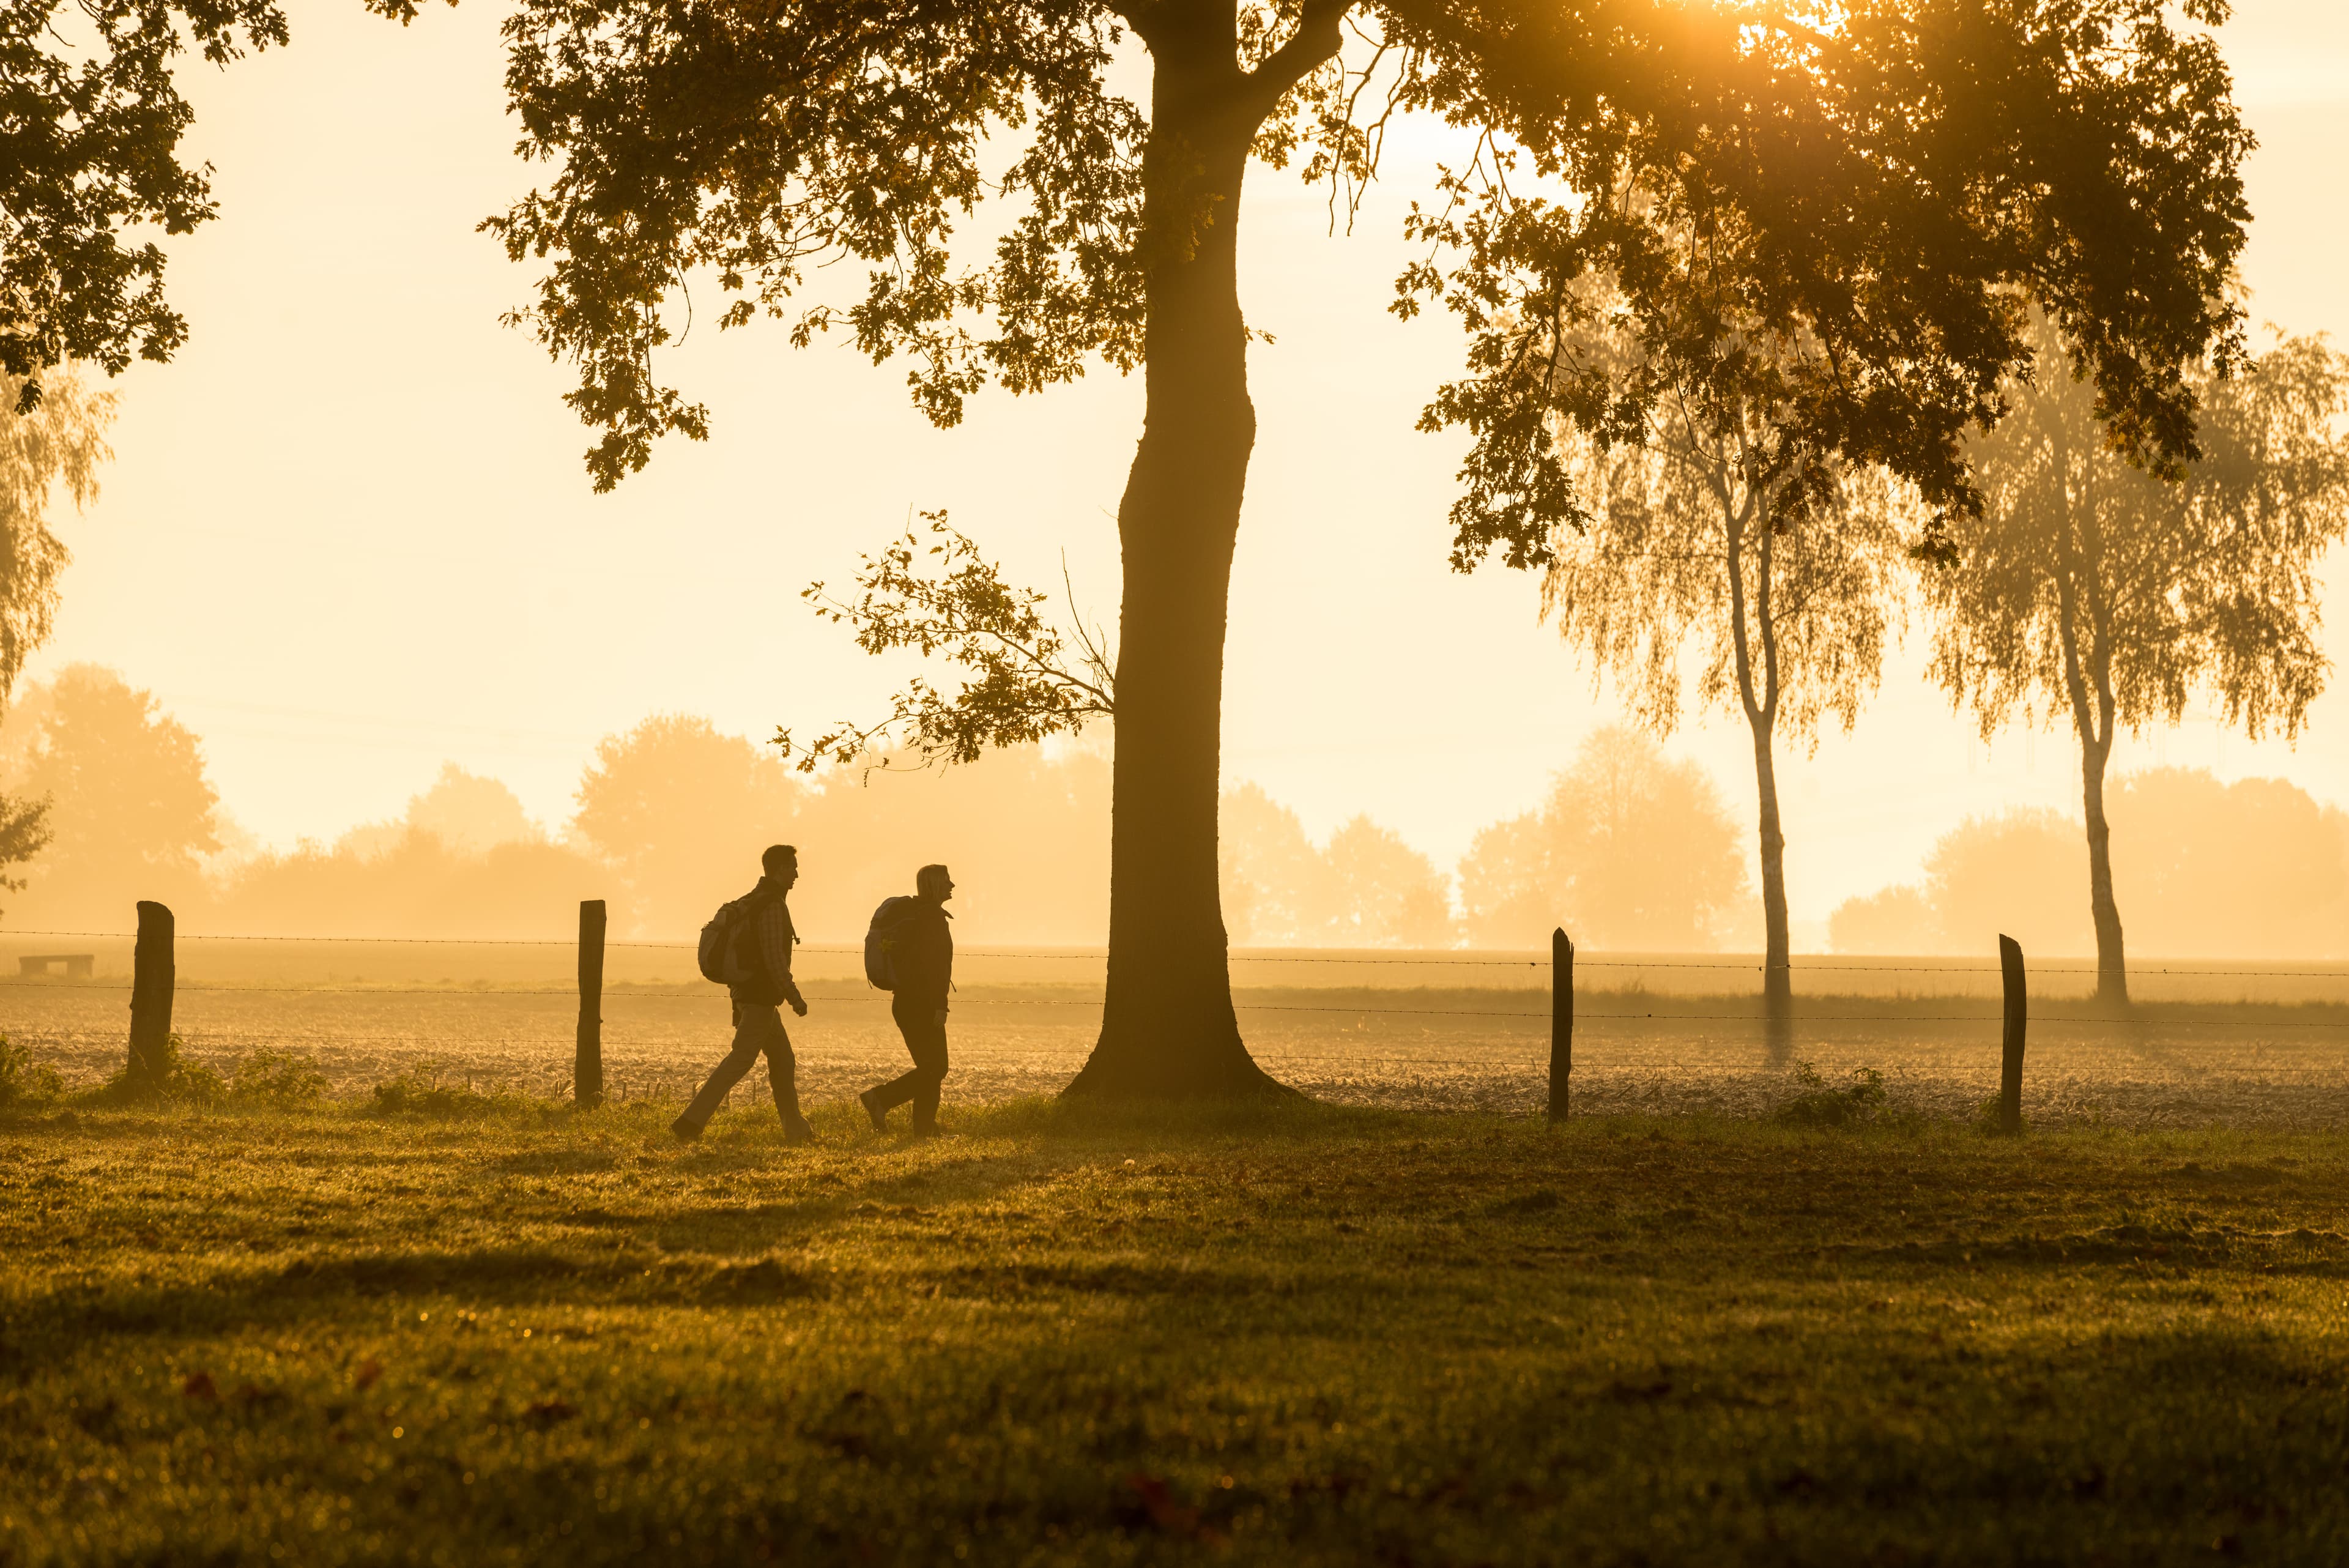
(1777, 957)
(1757, 690)
(1168, 1024)
(2093, 715)
(2112, 964)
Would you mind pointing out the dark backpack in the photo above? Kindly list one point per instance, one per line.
(727, 958)
(881, 940)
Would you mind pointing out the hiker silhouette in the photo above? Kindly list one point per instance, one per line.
(920, 952)
(748, 945)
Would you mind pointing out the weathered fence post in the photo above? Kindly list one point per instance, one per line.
(587, 1070)
(2010, 1078)
(1561, 1022)
(153, 975)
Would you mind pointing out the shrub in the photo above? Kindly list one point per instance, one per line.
(174, 1078)
(1819, 1105)
(23, 1081)
(421, 1092)
(269, 1078)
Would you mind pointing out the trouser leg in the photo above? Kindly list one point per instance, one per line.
(783, 1077)
(750, 1039)
(888, 1097)
(929, 1048)
(926, 1042)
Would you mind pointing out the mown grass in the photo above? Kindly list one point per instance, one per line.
(1302, 1336)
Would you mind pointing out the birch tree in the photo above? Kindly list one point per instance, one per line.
(2093, 591)
(1731, 558)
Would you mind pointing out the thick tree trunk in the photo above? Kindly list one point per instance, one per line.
(2112, 964)
(1777, 955)
(1167, 1026)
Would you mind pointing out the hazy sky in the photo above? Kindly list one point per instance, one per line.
(347, 535)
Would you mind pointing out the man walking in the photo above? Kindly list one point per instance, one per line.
(761, 936)
(921, 961)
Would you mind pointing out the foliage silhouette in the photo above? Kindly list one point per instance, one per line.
(94, 120)
(415, 883)
(1028, 684)
(24, 1083)
(2252, 868)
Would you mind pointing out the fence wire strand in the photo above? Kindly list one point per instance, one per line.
(1430, 960)
(1356, 1010)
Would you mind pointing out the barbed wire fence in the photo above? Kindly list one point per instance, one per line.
(1510, 1054)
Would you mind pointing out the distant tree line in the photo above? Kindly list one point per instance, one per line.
(671, 816)
(2253, 869)
(1629, 848)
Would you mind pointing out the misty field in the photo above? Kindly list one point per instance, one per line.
(1323, 1335)
(2208, 1044)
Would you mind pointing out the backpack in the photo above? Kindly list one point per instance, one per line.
(721, 950)
(881, 938)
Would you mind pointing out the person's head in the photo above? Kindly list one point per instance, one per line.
(933, 883)
(781, 861)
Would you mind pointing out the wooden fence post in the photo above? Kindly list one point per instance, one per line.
(1561, 1022)
(154, 974)
(587, 1069)
(2010, 1079)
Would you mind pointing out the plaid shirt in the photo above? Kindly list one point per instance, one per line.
(775, 939)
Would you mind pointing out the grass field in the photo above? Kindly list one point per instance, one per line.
(1320, 1336)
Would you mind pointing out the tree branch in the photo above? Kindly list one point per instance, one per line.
(1320, 34)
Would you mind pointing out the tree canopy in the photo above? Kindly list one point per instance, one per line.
(1364, 887)
(1901, 174)
(91, 118)
(2091, 590)
(1631, 849)
(133, 814)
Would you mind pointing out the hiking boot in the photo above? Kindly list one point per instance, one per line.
(685, 1130)
(880, 1118)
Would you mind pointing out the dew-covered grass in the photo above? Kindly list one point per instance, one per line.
(1321, 1335)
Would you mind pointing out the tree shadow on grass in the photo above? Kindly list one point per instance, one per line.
(304, 1290)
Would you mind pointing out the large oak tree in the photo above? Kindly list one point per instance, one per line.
(1911, 170)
